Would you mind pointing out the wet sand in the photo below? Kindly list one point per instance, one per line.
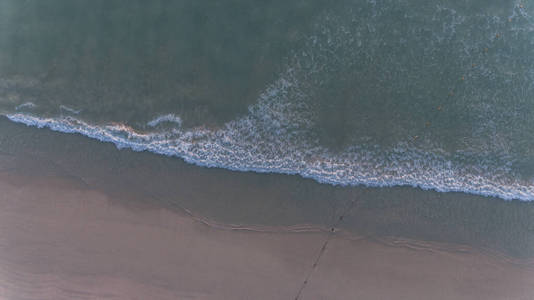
(83, 220)
(61, 240)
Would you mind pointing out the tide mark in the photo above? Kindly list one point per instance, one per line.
(323, 249)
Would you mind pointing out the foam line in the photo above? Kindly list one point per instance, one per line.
(169, 118)
(400, 167)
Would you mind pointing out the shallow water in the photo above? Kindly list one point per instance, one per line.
(377, 93)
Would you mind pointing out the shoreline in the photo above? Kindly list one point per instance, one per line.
(136, 141)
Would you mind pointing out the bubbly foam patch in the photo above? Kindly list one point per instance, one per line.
(25, 105)
(67, 109)
(169, 118)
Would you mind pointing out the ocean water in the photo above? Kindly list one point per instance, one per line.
(427, 94)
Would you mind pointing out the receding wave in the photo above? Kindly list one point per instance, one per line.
(268, 140)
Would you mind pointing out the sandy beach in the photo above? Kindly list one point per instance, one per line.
(60, 239)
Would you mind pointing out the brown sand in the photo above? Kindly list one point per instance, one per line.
(60, 240)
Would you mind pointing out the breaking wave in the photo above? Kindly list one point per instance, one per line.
(268, 140)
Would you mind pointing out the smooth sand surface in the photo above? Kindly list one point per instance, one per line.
(61, 240)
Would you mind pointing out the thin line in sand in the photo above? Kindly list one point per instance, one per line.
(323, 248)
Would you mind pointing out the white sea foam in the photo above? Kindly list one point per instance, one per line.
(170, 118)
(223, 148)
(69, 110)
(29, 105)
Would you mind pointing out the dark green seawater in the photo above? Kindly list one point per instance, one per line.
(431, 94)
